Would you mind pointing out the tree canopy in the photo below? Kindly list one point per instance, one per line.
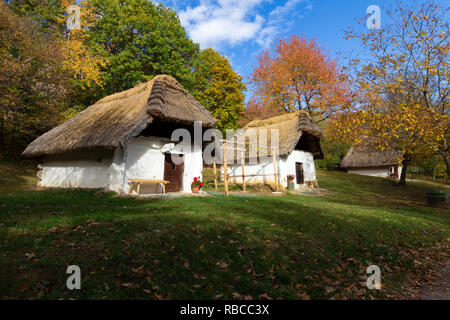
(296, 74)
(33, 80)
(141, 40)
(219, 88)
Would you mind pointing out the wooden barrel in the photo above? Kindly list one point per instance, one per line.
(438, 197)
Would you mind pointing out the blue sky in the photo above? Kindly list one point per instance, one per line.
(240, 29)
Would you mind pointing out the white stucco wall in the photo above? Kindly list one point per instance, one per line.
(78, 170)
(116, 170)
(285, 165)
(288, 167)
(374, 172)
(144, 160)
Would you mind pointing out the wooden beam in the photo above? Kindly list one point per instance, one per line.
(243, 172)
(215, 176)
(225, 168)
(131, 187)
(275, 173)
(138, 187)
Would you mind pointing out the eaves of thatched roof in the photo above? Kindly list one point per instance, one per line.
(365, 156)
(115, 119)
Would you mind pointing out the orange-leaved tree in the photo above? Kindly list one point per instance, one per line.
(296, 74)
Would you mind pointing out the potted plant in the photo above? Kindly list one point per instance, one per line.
(290, 179)
(196, 185)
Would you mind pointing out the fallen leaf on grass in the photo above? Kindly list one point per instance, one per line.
(222, 265)
(264, 296)
(329, 289)
(23, 287)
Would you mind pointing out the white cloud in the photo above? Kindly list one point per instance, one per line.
(281, 18)
(213, 23)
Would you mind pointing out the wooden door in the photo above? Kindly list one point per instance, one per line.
(173, 173)
(299, 173)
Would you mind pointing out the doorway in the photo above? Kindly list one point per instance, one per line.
(299, 173)
(173, 173)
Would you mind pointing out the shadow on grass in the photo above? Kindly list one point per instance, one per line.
(286, 247)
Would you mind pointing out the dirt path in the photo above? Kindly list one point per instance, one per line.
(440, 289)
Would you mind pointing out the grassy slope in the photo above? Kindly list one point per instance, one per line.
(291, 246)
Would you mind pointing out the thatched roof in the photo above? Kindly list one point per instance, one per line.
(115, 119)
(365, 156)
(295, 130)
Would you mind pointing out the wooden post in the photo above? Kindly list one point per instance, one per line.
(275, 173)
(131, 187)
(242, 168)
(215, 176)
(138, 187)
(225, 168)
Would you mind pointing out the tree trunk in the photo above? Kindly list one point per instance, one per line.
(447, 163)
(405, 163)
(444, 152)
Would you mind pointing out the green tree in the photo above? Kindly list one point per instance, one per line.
(141, 40)
(219, 88)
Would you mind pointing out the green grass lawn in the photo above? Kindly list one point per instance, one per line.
(289, 246)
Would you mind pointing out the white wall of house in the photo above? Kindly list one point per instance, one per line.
(78, 170)
(374, 172)
(288, 167)
(140, 159)
(285, 165)
(144, 160)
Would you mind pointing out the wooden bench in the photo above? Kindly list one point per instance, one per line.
(142, 181)
(312, 183)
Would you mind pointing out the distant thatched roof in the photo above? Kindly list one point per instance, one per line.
(115, 119)
(365, 156)
(295, 129)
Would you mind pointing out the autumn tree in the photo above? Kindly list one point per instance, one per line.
(256, 111)
(296, 74)
(219, 88)
(33, 81)
(404, 85)
(81, 59)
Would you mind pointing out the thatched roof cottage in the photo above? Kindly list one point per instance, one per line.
(366, 160)
(124, 136)
(298, 146)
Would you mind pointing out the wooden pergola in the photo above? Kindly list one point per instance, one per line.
(240, 151)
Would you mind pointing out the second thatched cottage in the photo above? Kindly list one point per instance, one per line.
(369, 161)
(122, 137)
(298, 145)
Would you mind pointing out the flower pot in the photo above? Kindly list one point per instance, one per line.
(290, 185)
(195, 189)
